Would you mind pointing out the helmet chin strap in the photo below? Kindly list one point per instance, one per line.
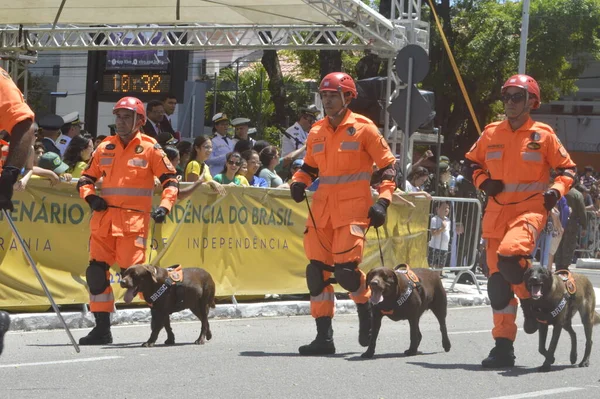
(342, 110)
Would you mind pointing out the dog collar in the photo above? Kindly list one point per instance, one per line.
(175, 276)
(413, 282)
(544, 316)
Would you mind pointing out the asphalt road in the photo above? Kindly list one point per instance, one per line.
(257, 358)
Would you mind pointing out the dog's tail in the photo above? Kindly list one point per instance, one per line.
(596, 318)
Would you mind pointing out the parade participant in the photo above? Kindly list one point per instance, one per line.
(16, 118)
(511, 163)
(127, 164)
(341, 150)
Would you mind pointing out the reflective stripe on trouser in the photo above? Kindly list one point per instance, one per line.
(125, 251)
(504, 321)
(323, 304)
(104, 302)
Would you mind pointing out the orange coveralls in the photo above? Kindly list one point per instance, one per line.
(344, 158)
(119, 235)
(514, 218)
(13, 108)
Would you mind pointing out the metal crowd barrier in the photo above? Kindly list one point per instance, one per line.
(464, 222)
(588, 245)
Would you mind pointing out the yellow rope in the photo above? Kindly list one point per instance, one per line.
(455, 68)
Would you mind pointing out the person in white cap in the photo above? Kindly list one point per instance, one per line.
(222, 145)
(241, 126)
(295, 136)
(70, 129)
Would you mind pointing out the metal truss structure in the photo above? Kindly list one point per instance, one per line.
(354, 26)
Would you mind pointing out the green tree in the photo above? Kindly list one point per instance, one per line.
(484, 36)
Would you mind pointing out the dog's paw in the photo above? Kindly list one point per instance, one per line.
(411, 352)
(147, 344)
(208, 335)
(544, 368)
(585, 363)
(368, 354)
(199, 341)
(170, 341)
(446, 345)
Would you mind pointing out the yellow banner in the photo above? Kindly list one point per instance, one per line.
(251, 241)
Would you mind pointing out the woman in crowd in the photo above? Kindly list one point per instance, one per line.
(78, 153)
(416, 179)
(269, 157)
(231, 172)
(197, 166)
(253, 163)
(185, 191)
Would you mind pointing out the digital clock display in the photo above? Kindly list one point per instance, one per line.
(136, 83)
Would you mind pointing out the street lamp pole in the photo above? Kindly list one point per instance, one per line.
(524, 34)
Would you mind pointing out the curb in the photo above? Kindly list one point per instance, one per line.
(588, 263)
(49, 321)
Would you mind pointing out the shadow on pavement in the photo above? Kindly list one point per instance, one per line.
(287, 354)
(506, 372)
(389, 356)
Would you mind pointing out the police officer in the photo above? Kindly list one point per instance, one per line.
(222, 145)
(242, 126)
(50, 126)
(298, 132)
(70, 129)
(511, 163)
(16, 118)
(341, 150)
(128, 163)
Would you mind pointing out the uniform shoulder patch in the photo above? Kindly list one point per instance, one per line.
(157, 146)
(110, 146)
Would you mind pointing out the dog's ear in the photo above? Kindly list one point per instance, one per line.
(395, 276)
(152, 270)
(368, 278)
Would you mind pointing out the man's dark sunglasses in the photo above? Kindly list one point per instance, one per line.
(515, 98)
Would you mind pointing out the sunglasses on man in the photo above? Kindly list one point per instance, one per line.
(516, 98)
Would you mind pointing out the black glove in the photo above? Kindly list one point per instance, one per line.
(551, 197)
(378, 211)
(492, 187)
(160, 214)
(96, 202)
(9, 177)
(297, 190)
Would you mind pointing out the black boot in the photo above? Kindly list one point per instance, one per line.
(4, 324)
(364, 323)
(530, 325)
(501, 355)
(323, 343)
(100, 335)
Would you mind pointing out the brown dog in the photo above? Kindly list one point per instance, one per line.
(396, 294)
(195, 292)
(554, 304)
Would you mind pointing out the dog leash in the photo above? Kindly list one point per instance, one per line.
(317, 232)
(380, 250)
(128, 209)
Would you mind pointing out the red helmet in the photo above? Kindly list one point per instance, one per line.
(340, 82)
(525, 82)
(132, 104)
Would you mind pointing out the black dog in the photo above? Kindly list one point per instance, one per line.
(556, 300)
(196, 292)
(405, 294)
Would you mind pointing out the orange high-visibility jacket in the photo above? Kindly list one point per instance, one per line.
(344, 159)
(522, 160)
(128, 182)
(13, 108)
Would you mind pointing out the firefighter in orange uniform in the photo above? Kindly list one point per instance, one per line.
(341, 150)
(127, 163)
(17, 119)
(511, 163)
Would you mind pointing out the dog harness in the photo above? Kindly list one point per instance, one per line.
(175, 277)
(543, 316)
(403, 271)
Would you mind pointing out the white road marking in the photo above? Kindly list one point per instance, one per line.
(536, 394)
(85, 359)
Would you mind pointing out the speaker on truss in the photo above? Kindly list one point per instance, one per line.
(371, 97)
